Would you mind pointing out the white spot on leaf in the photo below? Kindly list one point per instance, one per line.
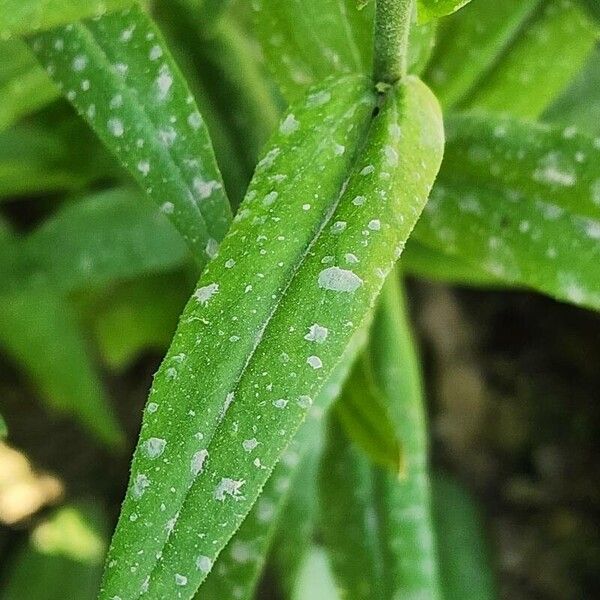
(339, 280)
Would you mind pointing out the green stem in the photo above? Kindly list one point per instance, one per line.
(392, 24)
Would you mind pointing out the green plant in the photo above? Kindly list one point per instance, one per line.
(288, 320)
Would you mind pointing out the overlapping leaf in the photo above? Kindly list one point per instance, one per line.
(514, 56)
(40, 331)
(542, 61)
(465, 564)
(519, 201)
(24, 86)
(306, 41)
(469, 43)
(579, 105)
(105, 237)
(22, 17)
(238, 567)
(308, 249)
(372, 517)
(436, 265)
(433, 9)
(120, 77)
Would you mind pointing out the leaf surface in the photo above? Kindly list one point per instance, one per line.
(244, 363)
(465, 562)
(377, 525)
(239, 566)
(470, 43)
(364, 416)
(120, 77)
(550, 51)
(519, 200)
(40, 331)
(23, 17)
(579, 105)
(434, 9)
(24, 86)
(306, 41)
(104, 237)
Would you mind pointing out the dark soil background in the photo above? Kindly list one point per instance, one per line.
(513, 384)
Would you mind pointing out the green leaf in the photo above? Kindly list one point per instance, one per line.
(579, 105)
(104, 237)
(120, 77)
(364, 415)
(234, 577)
(465, 563)
(24, 86)
(471, 42)
(377, 526)
(315, 579)
(542, 61)
(592, 7)
(23, 17)
(352, 505)
(519, 200)
(39, 330)
(62, 558)
(62, 157)
(428, 263)
(433, 9)
(253, 540)
(301, 238)
(296, 525)
(306, 41)
(137, 316)
(362, 526)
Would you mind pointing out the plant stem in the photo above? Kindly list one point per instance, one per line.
(392, 24)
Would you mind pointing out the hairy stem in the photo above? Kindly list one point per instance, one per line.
(392, 24)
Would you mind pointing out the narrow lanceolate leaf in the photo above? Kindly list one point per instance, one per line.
(396, 371)
(39, 330)
(370, 516)
(364, 528)
(579, 105)
(297, 525)
(105, 237)
(326, 215)
(23, 17)
(24, 86)
(120, 77)
(541, 62)
(428, 263)
(433, 9)
(470, 42)
(519, 200)
(364, 415)
(238, 567)
(353, 502)
(237, 570)
(466, 569)
(306, 41)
